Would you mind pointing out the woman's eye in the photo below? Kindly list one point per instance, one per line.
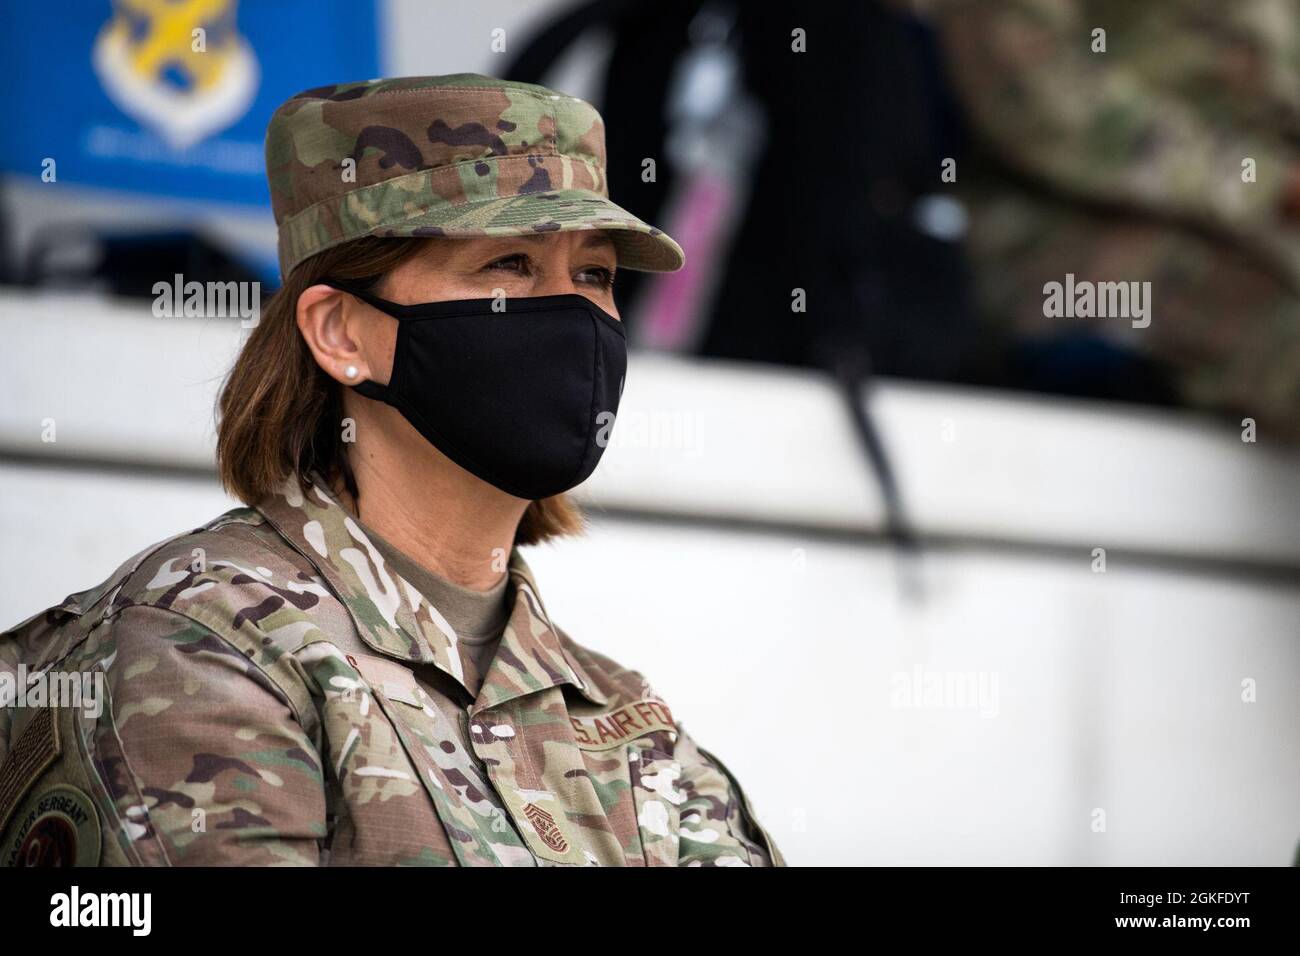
(519, 263)
(514, 263)
(600, 276)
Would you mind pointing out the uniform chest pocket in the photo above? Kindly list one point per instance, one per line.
(629, 752)
(477, 826)
(654, 773)
(377, 795)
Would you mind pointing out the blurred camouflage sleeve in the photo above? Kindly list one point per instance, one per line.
(1088, 124)
(202, 752)
(717, 823)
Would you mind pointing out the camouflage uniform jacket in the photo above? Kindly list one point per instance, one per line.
(268, 685)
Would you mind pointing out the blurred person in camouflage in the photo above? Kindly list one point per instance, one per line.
(1121, 142)
(357, 668)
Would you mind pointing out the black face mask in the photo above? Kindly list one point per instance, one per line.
(523, 398)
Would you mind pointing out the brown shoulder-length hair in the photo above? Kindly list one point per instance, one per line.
(279, 414)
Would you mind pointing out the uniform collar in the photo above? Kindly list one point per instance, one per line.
(395, 619)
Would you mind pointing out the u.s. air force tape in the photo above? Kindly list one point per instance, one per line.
(57, 826)
(627, 722)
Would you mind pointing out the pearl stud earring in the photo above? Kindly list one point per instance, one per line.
(350, 371)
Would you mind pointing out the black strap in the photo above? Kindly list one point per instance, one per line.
(375, 390)
(354, 289)
(853, 371)
(370, 389)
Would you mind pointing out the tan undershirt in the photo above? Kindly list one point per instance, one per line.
(478, 617)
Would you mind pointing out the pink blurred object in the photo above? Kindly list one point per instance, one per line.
(673, 305)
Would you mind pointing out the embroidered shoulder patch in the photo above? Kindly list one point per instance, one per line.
(631, 720)
(35, 750)
(57, 827)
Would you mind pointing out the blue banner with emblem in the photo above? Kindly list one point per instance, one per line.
(169, 97)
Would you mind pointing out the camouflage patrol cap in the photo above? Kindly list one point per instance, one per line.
(458, 156)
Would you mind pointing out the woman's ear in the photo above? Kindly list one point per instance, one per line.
(330, 323)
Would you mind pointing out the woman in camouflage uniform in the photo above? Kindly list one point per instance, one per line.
(357, 668)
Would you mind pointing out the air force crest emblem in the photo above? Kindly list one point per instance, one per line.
(178, 67)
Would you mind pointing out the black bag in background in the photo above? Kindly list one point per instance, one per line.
(855, 132)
